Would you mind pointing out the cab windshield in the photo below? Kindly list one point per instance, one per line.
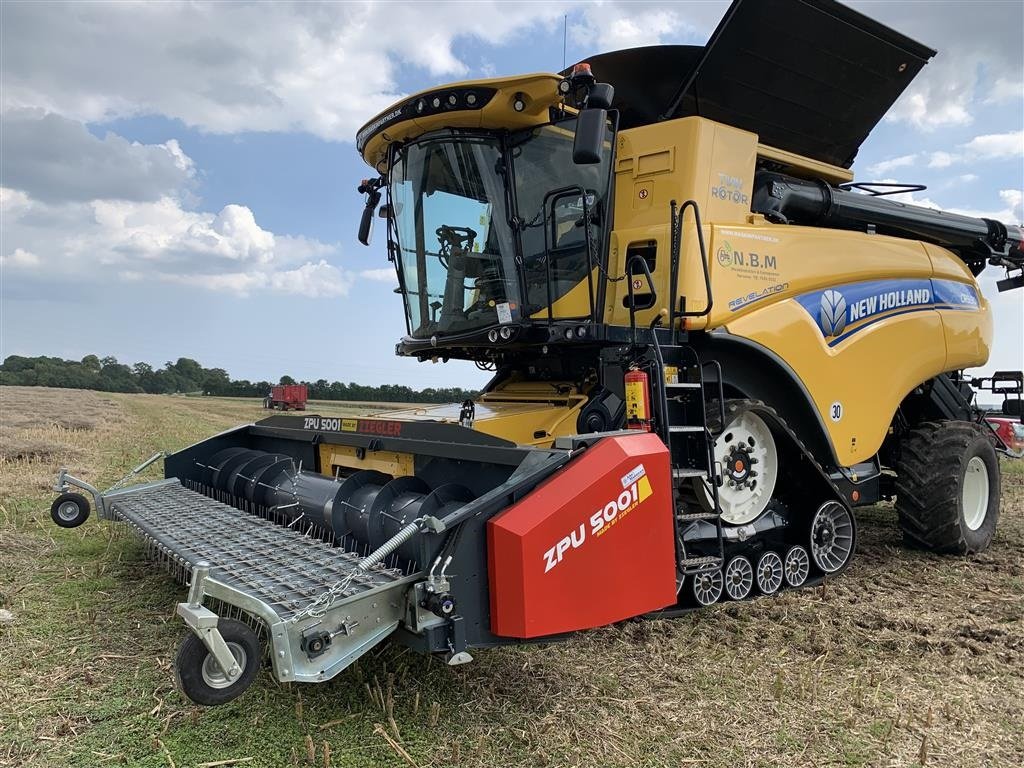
(467, 261)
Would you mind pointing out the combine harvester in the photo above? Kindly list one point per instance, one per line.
(709, 345)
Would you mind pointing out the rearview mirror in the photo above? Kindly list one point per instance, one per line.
(366, 224)
(370, 188)
(591, 125)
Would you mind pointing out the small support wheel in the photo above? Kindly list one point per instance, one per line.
(707, 586)
(201, 678)
(70, 510)
(739, 578)
(769, 573)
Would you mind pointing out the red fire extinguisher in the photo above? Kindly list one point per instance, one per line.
(638, 403)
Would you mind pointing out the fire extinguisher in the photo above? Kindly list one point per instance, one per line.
(638, 402)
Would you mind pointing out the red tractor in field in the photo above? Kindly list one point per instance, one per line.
(287, 397)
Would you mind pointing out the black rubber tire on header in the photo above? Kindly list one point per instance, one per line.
(931, 473)
(193, 657)
(69, 510)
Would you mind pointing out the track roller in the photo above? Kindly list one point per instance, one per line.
(797, 566)
(707, 586)
(769, 573)
(739, 578)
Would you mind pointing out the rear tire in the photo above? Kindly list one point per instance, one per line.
(947, 487)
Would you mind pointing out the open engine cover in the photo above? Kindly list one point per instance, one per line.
(591, 546)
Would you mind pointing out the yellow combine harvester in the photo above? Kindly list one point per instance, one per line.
(709, 345)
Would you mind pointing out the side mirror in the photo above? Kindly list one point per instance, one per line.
(366, 224)
(370, 188)
(591, 126)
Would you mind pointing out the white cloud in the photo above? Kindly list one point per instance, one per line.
(319, 280)
(1005, 90)
(162, 241)
(942, 160)
(891, 164)
(52, 158)
(993, 146)
(978, 43)
(230, 67)
(88, 209)
(996, 146)
(383, 275)
(20, 258)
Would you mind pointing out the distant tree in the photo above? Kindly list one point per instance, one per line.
(187, 375)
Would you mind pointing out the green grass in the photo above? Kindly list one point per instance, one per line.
(905, 648)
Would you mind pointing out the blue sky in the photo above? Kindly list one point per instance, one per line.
(179, 180)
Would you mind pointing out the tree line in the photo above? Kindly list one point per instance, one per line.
(187, 376)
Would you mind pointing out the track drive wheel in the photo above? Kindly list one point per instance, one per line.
(746, 451)
(201, 678)
(947, 487)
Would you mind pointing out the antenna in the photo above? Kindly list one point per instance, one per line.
(565, 34)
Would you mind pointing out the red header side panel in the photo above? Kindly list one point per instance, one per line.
(590, 546)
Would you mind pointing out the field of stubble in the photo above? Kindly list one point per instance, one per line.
(906, 659)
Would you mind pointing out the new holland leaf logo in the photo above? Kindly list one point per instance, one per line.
(833, 313)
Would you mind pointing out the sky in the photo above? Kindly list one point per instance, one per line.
(179, 180)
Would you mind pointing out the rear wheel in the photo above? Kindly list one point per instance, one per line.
(947, 487)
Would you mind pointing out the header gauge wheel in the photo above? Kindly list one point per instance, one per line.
(201, 678)
(947, 487)
(69, 510)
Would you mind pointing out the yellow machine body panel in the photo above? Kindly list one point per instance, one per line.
(860, 319)
(344, 457)
(536, 92)
(526, 413)
(760, 273)
(910, 310)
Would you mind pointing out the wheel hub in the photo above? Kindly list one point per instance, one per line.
(739, 464)
(214, 676)
(68, 511)
(746, 453)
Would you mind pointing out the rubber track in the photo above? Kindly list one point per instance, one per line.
(928, 472)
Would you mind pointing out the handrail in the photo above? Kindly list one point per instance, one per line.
(676, 241)
(629, 280)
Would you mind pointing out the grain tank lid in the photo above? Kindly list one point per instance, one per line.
(808, 76)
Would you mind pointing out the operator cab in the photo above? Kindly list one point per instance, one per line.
(495, 229)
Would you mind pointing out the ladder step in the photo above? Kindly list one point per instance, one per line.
(686, 429)
(681, 472)
(684, 385)
(700, 562)
(697, 516)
